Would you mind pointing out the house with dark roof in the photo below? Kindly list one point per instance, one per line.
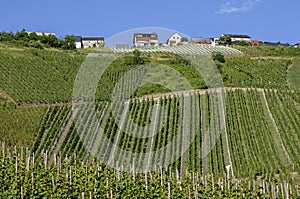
(92, 42)
(145, 39)
(89, 42)
(237, 38)
(201, 41)
(78, 41)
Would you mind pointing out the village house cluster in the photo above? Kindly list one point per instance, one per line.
(152, 40)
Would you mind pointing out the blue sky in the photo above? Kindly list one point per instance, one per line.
(269, 20)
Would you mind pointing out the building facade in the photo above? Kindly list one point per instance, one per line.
(92, 42)
(201, 41)
(237, 38)
(89, 42)
(174, 40)
(145, 39)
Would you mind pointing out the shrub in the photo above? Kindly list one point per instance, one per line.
(217, 56)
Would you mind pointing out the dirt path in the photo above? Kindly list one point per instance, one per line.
(186, 124)
(187, 93)
(62, 134)
(38, 104)
(151, 141)
(204, 158)
(226, 136)
(155, 97)
(124, 113)
(6, 96)
(270, 57)
(276, 128)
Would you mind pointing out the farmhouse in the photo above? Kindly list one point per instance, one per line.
(237, 38)
(176, 39)
(78, 41)
(145, 39)
(201, 41)
(88, 42)
(92, 42)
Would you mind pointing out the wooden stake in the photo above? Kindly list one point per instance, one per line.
(146, 181)
(22, 194)
(32, 180)
(53, 184)
(169, 191)
(16, 165)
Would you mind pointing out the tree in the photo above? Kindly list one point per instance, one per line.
(136, 53)
(69, 43)
(137, 57)
(22, 35)
(217, 56)
(242, 43)
(225, 40)
(6, 36)
(33, 36)
(184, 39)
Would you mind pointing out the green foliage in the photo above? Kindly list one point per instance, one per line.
(242, 43)
(69, 43)
(261, 73)
(19, 126)
(184, 39)
(68, 180)
(278, 51)
(37, 44)
(23, 38)
(151, 89)
(225, 40)
(127, 62)
(217, 56)
(46, 75)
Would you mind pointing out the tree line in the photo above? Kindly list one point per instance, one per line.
(38, 41)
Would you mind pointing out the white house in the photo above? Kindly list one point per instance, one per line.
(237, 38)
(174, 40)
(88, 42)
(78, 41)
(215, 42)
(92, 42)
(145, 39)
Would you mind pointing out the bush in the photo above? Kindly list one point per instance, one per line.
(217, 56)
(242, 43)
(37, 44)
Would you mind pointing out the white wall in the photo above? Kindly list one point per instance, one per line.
(78, 44)
(174, 39)
(240, 39)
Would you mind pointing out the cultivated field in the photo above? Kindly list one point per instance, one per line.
(242, 140)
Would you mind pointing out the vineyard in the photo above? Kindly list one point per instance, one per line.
(185, 50)
(241, 141)
(247, 120)
(21, 176)
(38, 75)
